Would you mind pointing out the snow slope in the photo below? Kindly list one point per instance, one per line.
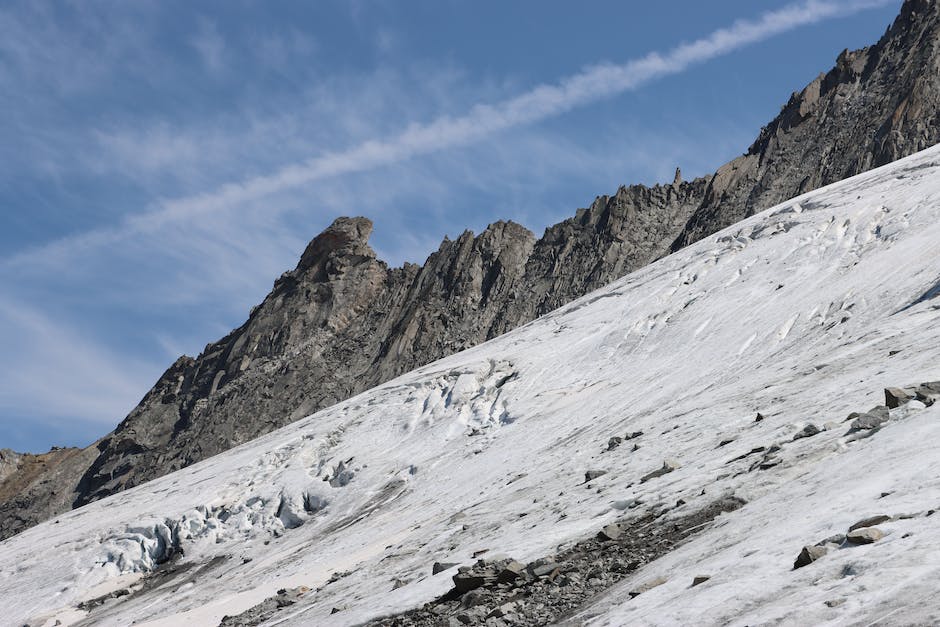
(804, 312)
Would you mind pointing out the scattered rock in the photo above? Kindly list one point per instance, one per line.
(867, 422)
(864, 535)
(700, 579)
(542, 567)
(928, 393)
(440, 567)
(647, 586)
(465, 582)
(258, 614)
(769, 463)
(503, 610)
(510, 572)
(808, 555)
(549, 589)
(753, 451)
(895, 397)
(835, 540)
(474, 598)
(485, 573)
(668, 466)
(807, 432)
(871, 521)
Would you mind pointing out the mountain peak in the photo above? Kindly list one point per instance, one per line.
(344, 237)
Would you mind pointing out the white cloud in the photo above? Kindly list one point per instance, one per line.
(483, 120)
(211, 46)
(59, 373)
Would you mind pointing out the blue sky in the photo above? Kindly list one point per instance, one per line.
(162, 163)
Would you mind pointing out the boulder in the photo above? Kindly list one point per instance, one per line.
(836, 540)
(880, 411)
(614, 442)
(864, 535)
(470, 580)
(928, 393)
(807, 432)
(871, 521)
(510, 572)
(808, 555)
(544, 570)
(610, 532)
(668, 466)
(895, 397)
(700, 579)
(440, 567)
(867, 422)
(591, 475)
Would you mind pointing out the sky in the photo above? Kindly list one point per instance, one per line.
(162, 163)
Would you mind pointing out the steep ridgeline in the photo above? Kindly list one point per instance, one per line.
(342, 321)
(877, 105)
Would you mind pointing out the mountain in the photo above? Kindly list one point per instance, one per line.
(877, 105)
(743, 432)
(343, 322)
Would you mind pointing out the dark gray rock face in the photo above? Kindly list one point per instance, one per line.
(34, 488)
(342, 321)
(877, 105)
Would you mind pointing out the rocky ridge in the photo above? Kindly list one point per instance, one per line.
(342, 321)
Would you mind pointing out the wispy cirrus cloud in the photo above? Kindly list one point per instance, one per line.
(481, 121)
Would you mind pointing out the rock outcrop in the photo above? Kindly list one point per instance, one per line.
(875, 106)
(342, 321)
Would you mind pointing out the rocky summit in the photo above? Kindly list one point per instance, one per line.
(342, 321)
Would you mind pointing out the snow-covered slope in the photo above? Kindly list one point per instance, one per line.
(803, 313)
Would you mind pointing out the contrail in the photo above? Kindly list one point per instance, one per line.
(481, 121)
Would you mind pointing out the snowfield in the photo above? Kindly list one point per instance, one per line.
(804, 313)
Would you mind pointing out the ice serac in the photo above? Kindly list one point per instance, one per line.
(342, 321)
(876, 105)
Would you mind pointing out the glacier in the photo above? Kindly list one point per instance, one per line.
(802, 313)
